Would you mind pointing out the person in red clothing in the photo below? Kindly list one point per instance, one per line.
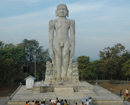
(57, 100)
(26, 103)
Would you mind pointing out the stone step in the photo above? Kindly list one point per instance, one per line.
(63, 89)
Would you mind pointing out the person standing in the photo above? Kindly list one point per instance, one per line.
(50, 103)
(120, 92)
(127, 92)
(57, 100)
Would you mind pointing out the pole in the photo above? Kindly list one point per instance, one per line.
(51, 85)
(35, 65)
(76, 84)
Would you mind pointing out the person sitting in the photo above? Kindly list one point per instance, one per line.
(54, 103)
(27, 103)
(42, 103)
(35, 102)
(32, 103)
(38, 103)
(82, 103)
(58, 103)
(65, 102)
(62, 103)
(75, 103)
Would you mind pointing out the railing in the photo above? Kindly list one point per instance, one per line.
(15, 91)
(109, 81)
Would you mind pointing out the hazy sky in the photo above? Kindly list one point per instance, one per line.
(99, 23)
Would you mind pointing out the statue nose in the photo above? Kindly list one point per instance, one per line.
(62, 11)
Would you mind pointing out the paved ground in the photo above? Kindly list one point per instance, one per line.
(3, 100)
(84, 90)
(126, 103)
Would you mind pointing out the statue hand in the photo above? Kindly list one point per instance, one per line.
(71, 54)
(52, 55)
(71, 57)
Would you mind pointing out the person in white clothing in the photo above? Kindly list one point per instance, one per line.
(58, 103)
(127, 92)
(86, 102)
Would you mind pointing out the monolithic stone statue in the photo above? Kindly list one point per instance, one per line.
(62, 46)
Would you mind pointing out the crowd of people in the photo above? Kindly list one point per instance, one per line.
(35, 103)
(56, 102)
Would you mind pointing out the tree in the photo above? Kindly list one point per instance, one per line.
(11, 58)
(108, 68)
(85, 68)
(126, 68)
(96, 67)
(113, 52)
(112, 58)
(31, 48)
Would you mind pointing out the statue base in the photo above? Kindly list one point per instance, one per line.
(71, 92)
(72, 74)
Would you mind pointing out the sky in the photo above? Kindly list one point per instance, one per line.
(99, 23)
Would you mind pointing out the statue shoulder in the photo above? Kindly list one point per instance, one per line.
(52, 22)
(72, 21)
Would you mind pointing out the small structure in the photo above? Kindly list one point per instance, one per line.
(42, 87)
(30, 82)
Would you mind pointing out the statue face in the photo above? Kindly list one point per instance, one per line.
(62, 10)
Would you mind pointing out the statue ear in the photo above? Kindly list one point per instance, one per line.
(67, 13)
(56, 13)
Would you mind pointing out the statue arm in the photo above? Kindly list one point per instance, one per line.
(51, 38)
(72, 38)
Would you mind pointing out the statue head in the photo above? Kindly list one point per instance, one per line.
(62, 10)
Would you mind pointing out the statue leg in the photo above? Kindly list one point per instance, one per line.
(58, 61)
(65, 63)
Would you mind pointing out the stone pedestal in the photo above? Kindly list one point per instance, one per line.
(99, 95)
(72, 74)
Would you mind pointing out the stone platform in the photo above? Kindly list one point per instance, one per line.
(99, 95)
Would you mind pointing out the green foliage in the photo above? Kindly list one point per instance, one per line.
(114, 64)
(126, 68)
(113, 52)
(31, 48)
(112, 60)
(11, 58)
(85, 68)
(14, 57)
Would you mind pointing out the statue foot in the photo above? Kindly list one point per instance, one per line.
(64, 79)
(58, 79)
